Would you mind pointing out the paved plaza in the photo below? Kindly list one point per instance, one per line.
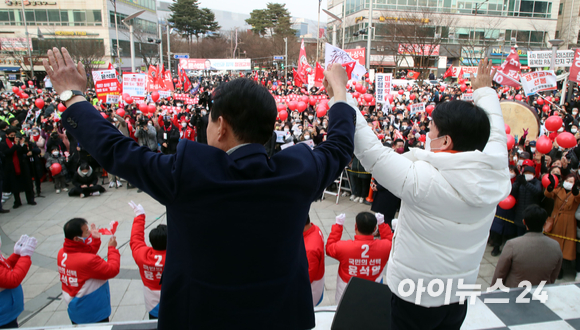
(42, 288)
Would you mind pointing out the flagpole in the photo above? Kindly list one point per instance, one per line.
(117, 32)
(318, 31)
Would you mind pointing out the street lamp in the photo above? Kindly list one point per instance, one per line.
(555, 43)
(128, 19)
(368, 59)
(333, 26)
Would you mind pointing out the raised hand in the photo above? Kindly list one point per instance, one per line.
(484, 75)
(63, 72)
(21, 242)
(340, 219)
(95, 232)
(29, 247)
(336, 78)
(380, 218)
(138, 209)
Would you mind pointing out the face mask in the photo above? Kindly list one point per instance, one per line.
(561, 148)
(11, 138)
(85, 239)
(183, 124)
(325, 125)
(286, 130)
(310, 117)
(515, 159)
(115, 119)
(567, 185)
(56, 153)
(512, 175)
(203, 113)
(574, 130)
(404, 127)
(428, 142)
(520, 162)
(533, 149)
(529, 177)
(306, 137)
(84, 173)
(574, 113)
(561, 129)
(400, 150)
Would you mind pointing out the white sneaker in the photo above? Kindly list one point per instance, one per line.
(355, 199)
(345, 194)
(82, 196)
(352, 197)
(119, 184)
(361, 200)
(65, 189)
(111, 184)
(577, 277)
(58, 191)
(96, 193)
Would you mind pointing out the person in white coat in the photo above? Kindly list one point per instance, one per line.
(449, 193)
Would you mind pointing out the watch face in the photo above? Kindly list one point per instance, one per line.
(66, 95)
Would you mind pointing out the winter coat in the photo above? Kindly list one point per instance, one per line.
(147, 138)
(448, 202)
(169, 136)
(565, 221)
(12, 182)
(526, 195)
(53, 160)
(80, 180)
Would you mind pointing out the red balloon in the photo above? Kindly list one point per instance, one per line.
(39, 91)
(412, 96)
(543, 145)
(508, 203)
(358, 87)
(30, 82)
(511, 142)
(553, 123)
(312, 101)
(274, 87)
(368, 97)
(129, 100)
(463, 87)
(553, 136)
(104, 115)
(429, 109)
(507, 129)
(143, 107)
(401, 92)
(289, 83)
(391, 98)
(540, 101)
(469, 90)
(15, 89)
(367, 80)
(125, 95)
(155, 96)
(518, 97)
(121, 112)
(356, 95)
(55, 169)
(363, 90)
(56, 119)
(151, 107)
(24, 95)
(366, 75)
(283, 115)
(546, 180)
(292, 105)
(304, 98)
(61, 107)
(175, 80)
(23, 87)
(409, 107)
(381, 136)
(281, 107)
(546, 108)
(422, 138)
(442, 88)
(409, 88)
(301, 106)
(321, 112)
(39, 103)
(566, 140)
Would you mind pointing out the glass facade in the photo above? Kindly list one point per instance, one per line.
(145, 4)
(141, 24)
(52, 17)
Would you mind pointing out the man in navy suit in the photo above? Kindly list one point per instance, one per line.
(255, 274)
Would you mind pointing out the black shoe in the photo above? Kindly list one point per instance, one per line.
(495, 252)
(365, 202)
(17, 206)
(4, 211)
(561, 274)
(32, 203)
(139, 190)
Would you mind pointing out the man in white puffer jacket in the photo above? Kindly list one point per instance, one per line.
(449, 198)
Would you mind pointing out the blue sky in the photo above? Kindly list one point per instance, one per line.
(298, 8)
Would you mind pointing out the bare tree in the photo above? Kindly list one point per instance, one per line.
(483, 37)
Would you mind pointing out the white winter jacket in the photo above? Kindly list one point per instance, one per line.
(448, 204)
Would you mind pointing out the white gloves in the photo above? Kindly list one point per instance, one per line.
(20, 243)
(380, 218)
(138, 209)
(394, 224)
(340, 219)
(28, 247)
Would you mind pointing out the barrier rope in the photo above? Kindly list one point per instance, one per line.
(549, 234)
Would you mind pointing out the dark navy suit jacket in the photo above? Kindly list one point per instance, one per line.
(235, 251)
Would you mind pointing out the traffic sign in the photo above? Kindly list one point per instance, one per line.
(180, 56)
(281, 57)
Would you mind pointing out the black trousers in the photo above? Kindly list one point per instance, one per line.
(13, 324)
(360, 184)
(408, 316)
(77, 191)
(101, 321)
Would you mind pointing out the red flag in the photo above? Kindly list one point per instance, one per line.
(349, 68)
(318, 75)
(509, 72)
(449, 72)
(167, 82)
(297, 79)
(152, 79)
(184, 80)
(304, 69)
(575, 68)
(161, 76)
(111, 66)
(413, 74)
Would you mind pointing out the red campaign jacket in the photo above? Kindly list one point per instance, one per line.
(364, 257)
(189, 134)
(78, 262)
(314, 243)
(149, 260)
(13, 270)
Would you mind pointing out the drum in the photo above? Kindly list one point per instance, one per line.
(520, 116)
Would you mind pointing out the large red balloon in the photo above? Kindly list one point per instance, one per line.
(301, 106)
(39, 103)
(175, 80)
(546, 108)
(553, 123)
(409, 88)
(39, 91)
(128, 99)
(368, 97)
(23, 87)
(281, 107)
(304, 98)
(463, 87)
(442, 89)
(412, 96)
(430, 109)
(24, 95)
(104, 115)
(55, 169)
(363, 90)
(155, 96)
(321, 112)
(151, 107)
(566, 140)
(511, 142)
(15, 89)
(540, 101)
(61, 107)
(356, 95)
(518, 97)
(121, 112)
(312, 101)
(508, 203)
(391, 98)
(401, 92)
(358, 87)
(507, 129)
(283, 115)
(546, 181)
(143, 107)
(292, 105)
(543, 145)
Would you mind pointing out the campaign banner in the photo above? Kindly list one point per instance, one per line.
(461, 71)
(134, 84)
(15, 44)
(543, 58)
(509, 73)
(113, 99)
(538, 81)
(106, 83)
(358, 55)
(164, 94)
(575, 68)
(215, 64)
(417, 107)
(336, 55)
(383, 87)
(467, 97)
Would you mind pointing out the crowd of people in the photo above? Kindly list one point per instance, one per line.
(33, 140)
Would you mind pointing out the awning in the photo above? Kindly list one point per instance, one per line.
(10, 68)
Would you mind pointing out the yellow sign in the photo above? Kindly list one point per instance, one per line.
(358, 19)
(70, 33)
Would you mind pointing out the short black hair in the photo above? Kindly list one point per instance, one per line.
(535, 217)
(247, 107)
(11, 130)
(11, 120)
(74, 228)
(158, 238)
(84, 166)
(397, 141)
(366, 223)
(3, 125)
(466, 124)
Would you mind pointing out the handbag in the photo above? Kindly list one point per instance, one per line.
(551, 221)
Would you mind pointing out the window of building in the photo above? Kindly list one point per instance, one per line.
(53, 15)
(4, 16)
(40, 15)
(29, 14)
(561, 8)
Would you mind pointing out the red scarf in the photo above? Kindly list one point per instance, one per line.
(15, 158)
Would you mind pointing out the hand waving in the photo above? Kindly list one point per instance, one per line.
(340, 219)
(63, 73)
(484, 75)
(138, 209)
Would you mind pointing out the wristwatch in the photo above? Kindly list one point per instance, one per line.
(67, 95)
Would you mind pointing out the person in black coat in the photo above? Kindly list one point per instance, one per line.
(85, 182)
(168, 136)
(34, 164)
(527, 190)
(16, 171)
